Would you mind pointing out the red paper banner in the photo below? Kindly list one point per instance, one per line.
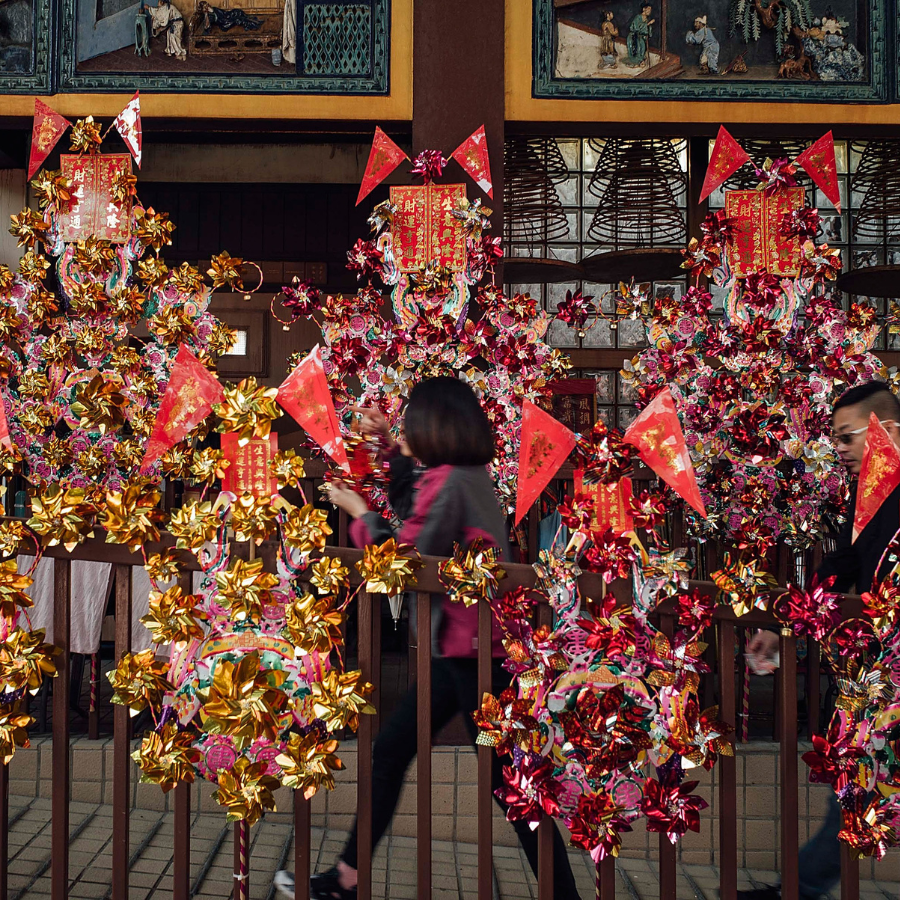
(657, 434)
(47, 129)
(425, 228)
(189, 398)
(819, 163)
(93, 210)
(726, 158)
(249, 470)
(878, 476)
(757, 241)
(128, 124)
(545, 446)
(5, 439)
(384, 157)
(472, 155)
(306, 397)
(610, 503)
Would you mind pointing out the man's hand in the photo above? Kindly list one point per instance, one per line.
(762, 653)
(348, 500)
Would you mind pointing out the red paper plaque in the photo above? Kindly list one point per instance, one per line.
(93, 210)
(610, 503)
(758, 243)
(425, 229)
(249, 470)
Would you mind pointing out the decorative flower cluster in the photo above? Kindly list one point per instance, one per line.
(755, 387)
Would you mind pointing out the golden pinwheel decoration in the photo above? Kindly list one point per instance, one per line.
(472, 574)
(167, 757)
(245, 790)
(389, 568)
(194, 524)
(308, 763)
(100, 405)
(174, 616)
(13, 586)
(13, 730)
(25, 659)
(247, 410)
(339, 699)
(139, 680)
(306, 528)
(245, 588)
(132, 516)
(329, 575)
(314, 624)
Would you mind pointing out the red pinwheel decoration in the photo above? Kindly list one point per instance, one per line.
(429, 164)
(575, 310)
(530, 791)
(814, 611)
(670, 808)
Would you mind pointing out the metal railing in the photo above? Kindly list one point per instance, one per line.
(369, 640)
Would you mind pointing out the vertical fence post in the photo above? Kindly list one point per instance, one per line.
(181, 862)
(94, 706)
(606, 879)
(302, 855)
(813, 694)
(849, 874)
(788, 731)
(4, 831)
(546, 826)
(667, 856)
(423, 747)
(121, 745)
(59, 827)
(726, 768)
(485, 794)
(364, 761)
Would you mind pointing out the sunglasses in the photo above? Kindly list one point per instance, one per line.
(846, 438)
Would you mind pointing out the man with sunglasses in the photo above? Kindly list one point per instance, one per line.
(854, 567)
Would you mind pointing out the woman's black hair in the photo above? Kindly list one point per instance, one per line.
(445, 425)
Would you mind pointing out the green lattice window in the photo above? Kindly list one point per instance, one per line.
(337, 39)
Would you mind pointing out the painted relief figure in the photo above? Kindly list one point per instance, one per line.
(166, 19)
(749, 40)
(16, 36)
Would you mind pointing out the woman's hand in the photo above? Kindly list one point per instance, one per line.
(347, 499)
(372, 422)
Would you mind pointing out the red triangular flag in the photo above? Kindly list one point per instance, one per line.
(305, 395)
(48, 128)
(879, 474)
(190, 395)
(384, 157)
(472, 155)
(128, 124)
(726, 158)
(821, 166)
(657, 434)
(546, 444)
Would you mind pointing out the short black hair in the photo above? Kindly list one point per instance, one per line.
(872, 396)
(445, 425)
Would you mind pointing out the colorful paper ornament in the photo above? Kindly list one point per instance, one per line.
(726, 158)
(48, 128)
(128, 124)
(384, 157)
(189, 398)
(306, 397)
(878, 475)
(472, 155)
(546, 444)
(657, 434)
(820, 164)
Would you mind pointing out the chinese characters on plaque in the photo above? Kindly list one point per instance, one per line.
(758, 243)
(610, 507)
(573, 402)
(249, 470)
(425, 229)
(93, 209)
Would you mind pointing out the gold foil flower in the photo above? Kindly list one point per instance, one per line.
(207, 465)
(60, 516)
(7, 279)
(34, 266)
(35, 419)
(308, 763)
(127, 303)
(187, 278)
(154, 229)
(243, 701)
(221, 339)
(245, 790)
(91, 342)
(128, 453)
(313, 624)
(52, 188)
(124, 186)
(12, 533)
(172, 325)
(743, 584)
(253, 518)
(141, 419)
(28, 228)
(389, 568)
(131, 516)
(288, 468)
(153, 271)
(472, 574)
(88, 299)
(329, 574)
(174, 616)
(56, 350)
(9, 322)
(124, 360)
(339, 699)
(194, 524)
(94, 256)
(13, 730)
(163, 566)
(25, 660)
(34, 383)
(100, 405)
(306, 528)
(176, 462)
(167, 757)
(139, 680)
(42, 306)
(248, 410)
(225, 269)
(245, 588)
(85, 136)
(56, 453)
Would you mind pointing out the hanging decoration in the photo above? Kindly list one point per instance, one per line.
(879, 474)
(384, 157)
(48, 127)
(726, 158)
(472, 155)
(820, 164)
(128, 124)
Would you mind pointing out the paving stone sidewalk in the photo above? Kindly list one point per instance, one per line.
(394, 866)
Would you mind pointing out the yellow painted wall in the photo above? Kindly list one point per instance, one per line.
(397, 106)
(522, 107)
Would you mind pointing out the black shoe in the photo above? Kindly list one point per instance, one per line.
(325, 886)
(770, 892)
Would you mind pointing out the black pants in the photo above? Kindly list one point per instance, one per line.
(454, 688)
